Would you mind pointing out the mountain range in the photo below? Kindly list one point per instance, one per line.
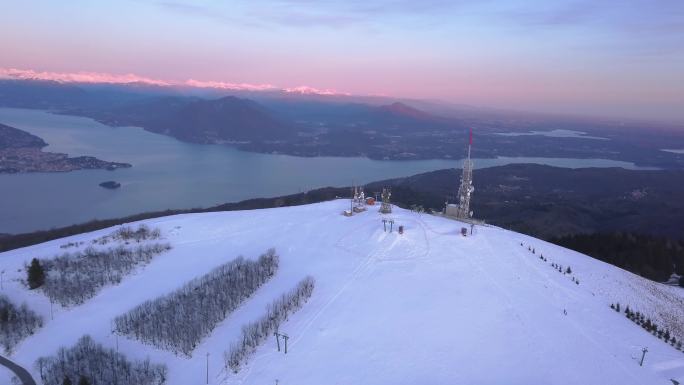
(341, 125)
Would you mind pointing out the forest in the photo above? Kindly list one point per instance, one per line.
(16, 323)
(258, 331)
(646, 255)
(89, 363)
(178, 321)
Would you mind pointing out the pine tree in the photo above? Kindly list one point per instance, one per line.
(617, 307)
(66, 380)
(568, 270)
(83, 381)
(36, 275)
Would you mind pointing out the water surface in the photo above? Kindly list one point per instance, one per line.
(167, 173)
(556, 133)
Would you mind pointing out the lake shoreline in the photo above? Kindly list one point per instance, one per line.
(170, 173)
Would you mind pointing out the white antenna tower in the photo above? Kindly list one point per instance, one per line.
(466, 188)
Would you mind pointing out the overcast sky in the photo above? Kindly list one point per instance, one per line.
(600, 57)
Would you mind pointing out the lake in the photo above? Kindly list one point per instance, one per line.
(555, 133)
(167, 173)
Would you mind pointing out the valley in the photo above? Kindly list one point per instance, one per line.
(378, 128)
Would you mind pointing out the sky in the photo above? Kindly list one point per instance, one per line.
(601, 57)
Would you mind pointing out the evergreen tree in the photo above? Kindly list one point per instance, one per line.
(83, 381)
(66, 381)
(568, 270)
(36, 274)
(617, 307)
(681, 281)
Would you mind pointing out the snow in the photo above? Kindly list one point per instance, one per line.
(429, 306)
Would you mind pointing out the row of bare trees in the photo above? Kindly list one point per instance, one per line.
(258, 331)
(142, 233)
(73, 278)
(91, 363)
(16, 323)
(127, 233)
(180, 320)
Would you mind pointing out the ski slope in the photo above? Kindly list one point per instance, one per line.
(425, 307)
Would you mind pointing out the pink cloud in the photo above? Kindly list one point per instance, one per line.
(229, 86)
(306, 90)
(78, 77)
(98, 77)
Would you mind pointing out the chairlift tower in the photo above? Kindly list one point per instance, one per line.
(465, 190)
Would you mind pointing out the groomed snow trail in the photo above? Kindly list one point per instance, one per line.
(425, 307)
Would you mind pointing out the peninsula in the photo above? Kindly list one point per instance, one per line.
(21, 151)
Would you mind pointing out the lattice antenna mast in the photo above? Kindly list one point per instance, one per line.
(465, 190)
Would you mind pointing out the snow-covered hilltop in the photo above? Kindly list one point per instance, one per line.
(428, 306)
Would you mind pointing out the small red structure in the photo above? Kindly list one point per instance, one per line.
(370, 201)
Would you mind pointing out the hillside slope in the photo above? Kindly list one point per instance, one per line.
(428, 306)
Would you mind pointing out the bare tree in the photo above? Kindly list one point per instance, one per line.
(178, 321)
(258, 331)
(98, 365)
(16, 323)
(73, 278)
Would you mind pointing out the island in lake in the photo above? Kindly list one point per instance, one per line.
(21, 151)
(112, 185)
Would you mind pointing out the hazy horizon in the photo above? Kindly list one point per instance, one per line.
(570, 57)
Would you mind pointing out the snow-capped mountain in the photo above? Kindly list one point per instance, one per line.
(428, 306)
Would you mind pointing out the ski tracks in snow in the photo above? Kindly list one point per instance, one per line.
(361, 267)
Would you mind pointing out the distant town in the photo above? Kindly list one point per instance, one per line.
(22, 152)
